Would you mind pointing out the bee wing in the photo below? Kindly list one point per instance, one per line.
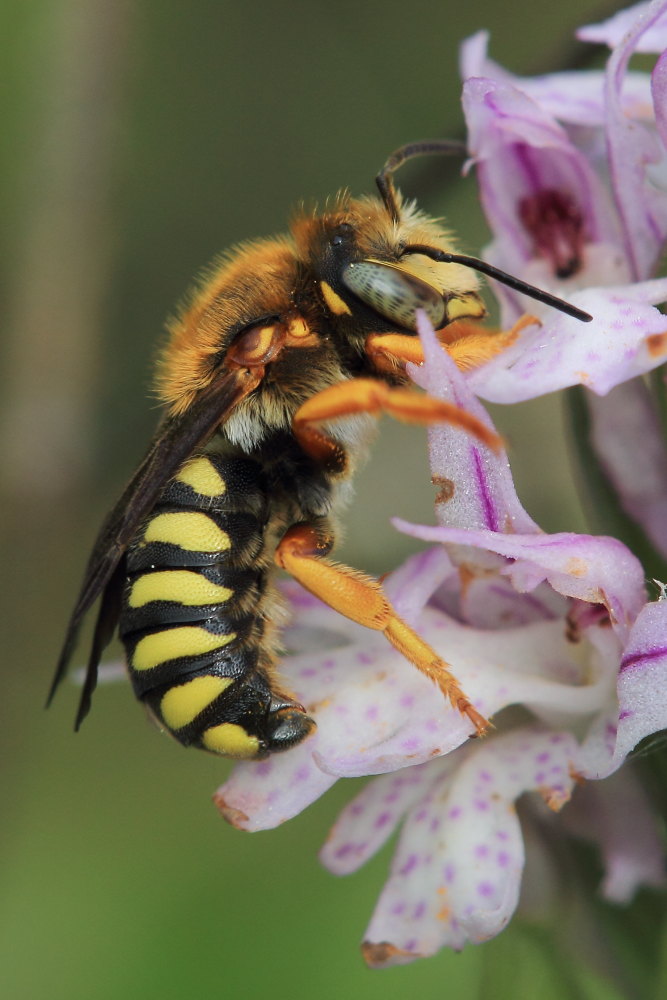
(176, 439)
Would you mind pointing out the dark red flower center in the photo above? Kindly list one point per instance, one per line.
(557, 227)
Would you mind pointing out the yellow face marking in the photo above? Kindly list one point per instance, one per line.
(182, 704)
(334, 301)
(178, 585)
(465, 306)
(190, 530)
(298, 327)
(231, 740)
(173, 643)
(203, 477)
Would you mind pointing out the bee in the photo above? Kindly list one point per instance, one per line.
(273, 378)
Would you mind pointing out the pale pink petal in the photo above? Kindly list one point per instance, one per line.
(627, 337)
(413, 584)
(628, 440)
(659, 92)
(521, 152)
(642, 697)
(572, 98)
(646, 21)
(368, 821)
(617, 815)
(262, 795)
(476, 487)
(632, 148)
(597, 570)
(456, 874)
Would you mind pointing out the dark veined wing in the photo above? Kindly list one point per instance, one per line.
(176, 439)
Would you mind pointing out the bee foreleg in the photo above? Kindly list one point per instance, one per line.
(365, 395)
(358, 597)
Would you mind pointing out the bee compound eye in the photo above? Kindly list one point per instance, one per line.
(393, 292)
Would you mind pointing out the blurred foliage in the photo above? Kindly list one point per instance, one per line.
(139, 139)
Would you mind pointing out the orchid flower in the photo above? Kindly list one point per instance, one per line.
(572, 169)
(551, 636)
(558, 624)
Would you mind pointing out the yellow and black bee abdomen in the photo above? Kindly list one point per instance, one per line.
(191, 620)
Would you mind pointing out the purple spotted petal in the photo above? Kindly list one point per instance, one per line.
(456, 873)
(368, 821)
(597, 570)
(476, 487)
(262, 795)
(626, 435)
(647, 20)
(627, 337)
(628, 837)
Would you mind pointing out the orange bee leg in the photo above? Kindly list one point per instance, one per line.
(365, 395)
(471, 345)
(361, 599)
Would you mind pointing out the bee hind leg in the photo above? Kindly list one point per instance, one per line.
(302, 553)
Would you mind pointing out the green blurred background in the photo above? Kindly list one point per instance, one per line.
(140, 138)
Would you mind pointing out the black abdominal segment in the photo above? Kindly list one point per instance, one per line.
(192, 620)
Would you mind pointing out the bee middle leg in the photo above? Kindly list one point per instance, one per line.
(302, 553)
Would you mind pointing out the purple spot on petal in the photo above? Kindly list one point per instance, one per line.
(454, 812)
(410, 864)
(328, 664)
(343, 850)
(419, 911)
(481, 805)
(263, 768)
(486, 889)
(540, 778)
(372, 712)
(355, 809)
(382, 820)
(503, 859)
(365, 658)
(421, 815)
(302, 773)
(434, 824)
(308, 672)
(407, 701)
(410, 945)
(543, 757)
(502, 834)
(481, 851)
(485, 776)
(449, 873)
(398, 908)
(625, 714)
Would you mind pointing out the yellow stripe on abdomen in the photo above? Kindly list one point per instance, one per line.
(174, 643)
(181, 704)
(231, 740)
(203, 477)
(191, 530)
(179, 585)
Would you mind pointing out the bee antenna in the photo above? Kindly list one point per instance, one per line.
(385, 180)
(444, 257)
